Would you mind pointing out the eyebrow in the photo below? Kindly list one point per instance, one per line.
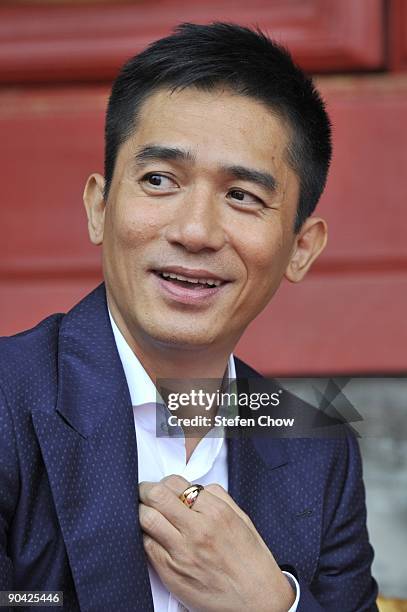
(162, 153)
(263, 179)
(155, 152)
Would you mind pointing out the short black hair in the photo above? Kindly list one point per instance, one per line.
(245, 61)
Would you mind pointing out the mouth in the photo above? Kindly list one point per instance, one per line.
(189, 286)
(191, 282)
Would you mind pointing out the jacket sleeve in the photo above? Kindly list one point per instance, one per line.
(343, 578)
(9, 487)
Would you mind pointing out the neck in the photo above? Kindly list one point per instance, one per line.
(179, 363)
(170, 361)
(199, 368)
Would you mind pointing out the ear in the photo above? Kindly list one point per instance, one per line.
(95, 207)
(309, 243)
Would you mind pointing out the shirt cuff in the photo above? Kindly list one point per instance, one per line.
(294, 583)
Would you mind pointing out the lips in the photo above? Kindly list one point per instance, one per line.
(194, 278)
(193, 282)
(188, 285)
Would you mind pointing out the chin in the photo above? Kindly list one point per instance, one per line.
(177, 337)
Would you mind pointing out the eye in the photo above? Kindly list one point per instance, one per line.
(243, 197)
(158, 182)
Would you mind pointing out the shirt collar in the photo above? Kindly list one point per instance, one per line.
(141, 387)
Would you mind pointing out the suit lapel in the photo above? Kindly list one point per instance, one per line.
(89, 448)
(249, 456)
(271, 453)
(266, 481)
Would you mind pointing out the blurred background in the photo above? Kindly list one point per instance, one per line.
(57, 61)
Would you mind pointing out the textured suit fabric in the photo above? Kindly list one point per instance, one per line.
(68, 481)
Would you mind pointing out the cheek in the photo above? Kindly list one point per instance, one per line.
(132, 226)
(264, 256)
(266, 261)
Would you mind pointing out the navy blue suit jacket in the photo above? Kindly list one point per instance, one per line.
(68, 481)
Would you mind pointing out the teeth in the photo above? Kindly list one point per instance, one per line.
(202, 281)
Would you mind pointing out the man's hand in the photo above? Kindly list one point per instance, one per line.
(210, 557)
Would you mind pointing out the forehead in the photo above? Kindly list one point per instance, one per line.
(213, 125)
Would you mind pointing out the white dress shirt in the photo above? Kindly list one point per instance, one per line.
(161, 456)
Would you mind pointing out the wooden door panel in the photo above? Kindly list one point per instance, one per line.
(57, 43)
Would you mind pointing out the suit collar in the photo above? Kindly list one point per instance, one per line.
(90, 373)
(272, 451)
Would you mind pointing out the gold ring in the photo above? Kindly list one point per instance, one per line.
(188, 497)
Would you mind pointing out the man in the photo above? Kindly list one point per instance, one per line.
(217, 151)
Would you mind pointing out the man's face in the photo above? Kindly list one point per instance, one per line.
(201, 192)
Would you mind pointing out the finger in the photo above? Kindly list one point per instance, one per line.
(157, 555)
(168, 569)
(154, 524)
(219, 493)
(163, 498)
(214, 501)
(176, 483)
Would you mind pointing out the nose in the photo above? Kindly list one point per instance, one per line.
(197, 222)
